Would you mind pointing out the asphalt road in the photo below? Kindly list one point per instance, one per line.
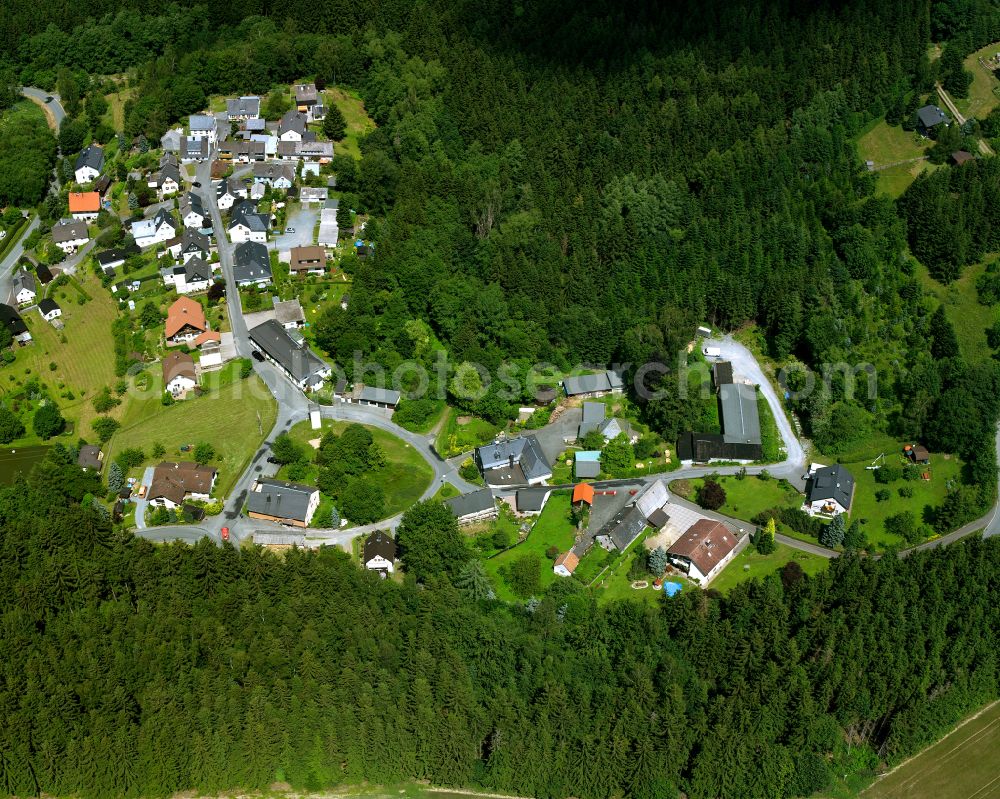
(10, 261)
(55, 106)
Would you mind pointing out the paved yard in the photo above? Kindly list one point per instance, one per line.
(304, 221)
(552, 437)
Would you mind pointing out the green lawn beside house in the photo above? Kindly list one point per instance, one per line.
(750, 564)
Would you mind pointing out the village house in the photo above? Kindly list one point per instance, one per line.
(476, 506)
(513, 461)
(195, 149)
(12, 320)
(292, 127)
(316, 152)
(531, 501)
(90, 458)
(379, 553)
(170, 141)
(192, 211)
(24, 287)
(174, 483)
(84, 205)
(385, 398)
(156, 230)
(68, 236)
(307, 260)
(251, 264)
(185, 321)
(243, 108)
(248, 225)
(49, 309)
(89, 164)
(277, 175)
(594, 385)
(308, 102)
(291, 355)
(44, 274)
(167, 181)
(311, 194)
(594, 418)
(289, 314)
(179, 373)
(282, 502)
(203, 126)
(566, 564)
(829, 490)
(190, 244)
(704, 550)
(930, 117)
(192, 276)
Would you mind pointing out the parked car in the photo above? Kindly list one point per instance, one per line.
(196, 184)
(257, 355)
(272, 459)
(48, 98)
(289, 230)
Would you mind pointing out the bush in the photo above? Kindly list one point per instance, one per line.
(711, 495)
(795, 518)
(906, 491)
(888, 473)
(246, 368)
(500, 539)
(130, 458)
(882, 495)
(468, 470)
(105, 427)
(552, 553)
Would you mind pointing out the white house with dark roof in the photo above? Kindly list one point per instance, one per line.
(282, 502)
(167, 181)
(292, 356)
(203, 126)
(241, 109)
(24, 287)
(89, 164)
(513, 461)
(251, 264)
(67, 236)
(155, 230)
(195, 149)
(274, 174)
(49, 309)
(379, 553)
(292, 126)
(192, 211)
(476, 506)
(248, 225)
(829, 491)
(229, 192)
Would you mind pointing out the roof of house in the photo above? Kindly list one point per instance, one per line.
(196, 270)
(658, 518)
(196, 146)
(961, 156)
(931, 115)
(593, 416)
(246, 214)
(243, 106)
(184, 311)
(89, 457)
(624, 527)
(532, 499)
(526, 451)
(207, 337)
(385, 396)
(148, 227)
(288, 311)
(305, 92)
(705, 543)
(193, 241)
(379, 545)
(583, 492)
(311, 193)
(652, 497)
(201, 122)
(297, 359)
(589, 384)
(302, 258)
(280, 498)
(69, 231)
(92, 156)
(586, 469)
(174, 480)
(178, 364)
(251, 262)
(44, 274)
(292, 120)
(704, 447)
(546, 394)
(192, 202)
(474, 502)
(84, 202)
(23, 280)
(740, 420)
(920, 452)
(48, 305)
(568, 560)
(722, 373)
(833, 483)
(272, 170)
(168, 159)
(12, 320)
(310, 148)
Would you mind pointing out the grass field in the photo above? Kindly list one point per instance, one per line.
(982, 94)
(969, 318)
(749, 564)
(553, 528)
(747, 497)
(358, 121)
(962, 765)
(115, 115)
(615, 584)
(226, 418)
(887, 144)
(405, 476)
(83, 353)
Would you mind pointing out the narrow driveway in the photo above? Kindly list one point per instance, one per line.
(141, 503)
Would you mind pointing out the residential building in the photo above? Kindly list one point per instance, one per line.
(624, 527)
(167, 181)
(379, 553)
(531, 501)
(173, 483)
(329, 233)
(274, 174)
(169, 159)
(251, 264)
(307, 260)
(90, 459)
(192, 276)
(68, 236)
(594, 385)
(190, 244)
(319, 152)
(185, 321)
(377, 397)
(704, 550)
(513, 461)
(179, 373)
(293, 357)
(289, 314)
(24, 287)
(243, 108)
(109, 259)
(192, 210)
(171, 140)
(84, 205)
(476, 506)
(306, 99)
(203, 126)
(49, 309)
(89, 164)
(257, 191)
(195, 149)
(566, 564)
(248, 225)
(587, 464)
(594, 419)
(292, 126)
(282, 502)
(156, 230)
(310, 194)
(12, 320)
(829, 491)
(929, 117)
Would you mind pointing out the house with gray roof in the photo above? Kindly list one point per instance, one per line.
(476, 506)
(601, 384)
(67, 236)
(594, 418)
(203, 126)
(272, 173)
(195, 149)
(377, 397)
(513, 462)
(24, 287)
(251, 264)
(293, 357)
(170, 141)
(246, 225)
(292, 126)
(829, 491)
(929, 117)
(738, 414)
(240, 109)
(89, 164)
(192, 210)
(282, 502)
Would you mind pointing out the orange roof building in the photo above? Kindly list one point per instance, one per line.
(185, 320)
(583, 492)
(84, 202)
(209, 336)
(566, 564)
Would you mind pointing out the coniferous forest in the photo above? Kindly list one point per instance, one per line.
(562, 181)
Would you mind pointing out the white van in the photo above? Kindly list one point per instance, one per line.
(712, 352)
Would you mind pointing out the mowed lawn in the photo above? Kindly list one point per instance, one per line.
(554, 528)
(405, 476)
(749, 564)
(234, 420)
(962, 765)
(888, 144)
(84, 362)
(747, 497)
(358, 122)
